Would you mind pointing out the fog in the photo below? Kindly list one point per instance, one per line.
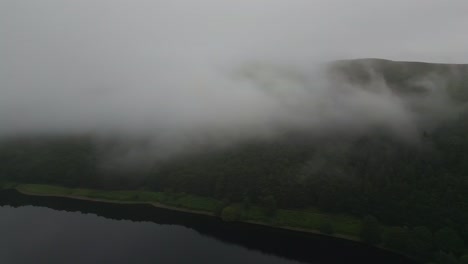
(196, 73)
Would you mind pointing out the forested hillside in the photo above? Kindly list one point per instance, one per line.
(420, 186)
(405, 77)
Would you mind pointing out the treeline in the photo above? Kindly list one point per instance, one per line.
(442, 246)
(410, 186)
(64, 160)
(421, 187)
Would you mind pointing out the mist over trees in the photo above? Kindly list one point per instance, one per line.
(418, 183)
(245, 102)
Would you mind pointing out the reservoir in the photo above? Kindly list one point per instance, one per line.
(62, 230)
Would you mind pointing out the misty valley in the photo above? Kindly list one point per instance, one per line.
(375, 164)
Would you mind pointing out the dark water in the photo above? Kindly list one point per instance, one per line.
(61, 230)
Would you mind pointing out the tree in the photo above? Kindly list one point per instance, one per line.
(420, 242)
(396, 238)
(370, 230)
(464, 259)
(219, 187)
(246, 203)
(447, 240)
(168, 194)
(464, 232)
(446, 258)
(220, 206)
(269, 204)
(231, 213)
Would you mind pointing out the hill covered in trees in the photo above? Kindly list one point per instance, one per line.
(419, 184)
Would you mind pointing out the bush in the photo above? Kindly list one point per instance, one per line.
(269, 205)
(446, 258)
(447, 240)
(246, 203)
(231, 213)
(219, 208)
(370, 230)
(396, 238)
(326, 227)
(464, 259)
(420, 242)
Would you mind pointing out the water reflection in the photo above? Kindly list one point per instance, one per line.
(61, 230)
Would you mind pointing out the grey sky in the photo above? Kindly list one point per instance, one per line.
(432, 30)
(166, 66)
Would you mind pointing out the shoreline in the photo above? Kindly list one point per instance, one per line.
(199, 212)
(210, 214)
(84, 198)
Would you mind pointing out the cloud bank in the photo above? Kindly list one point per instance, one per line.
(185, 73)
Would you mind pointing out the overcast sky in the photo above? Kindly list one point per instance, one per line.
(432, 30)
(89, 64)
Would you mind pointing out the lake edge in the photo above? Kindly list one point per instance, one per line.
(21, 188)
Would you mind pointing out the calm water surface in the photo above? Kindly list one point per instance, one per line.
(60, 230)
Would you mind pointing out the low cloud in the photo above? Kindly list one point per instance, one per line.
(170, 76)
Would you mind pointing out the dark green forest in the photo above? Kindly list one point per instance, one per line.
(420, 188)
